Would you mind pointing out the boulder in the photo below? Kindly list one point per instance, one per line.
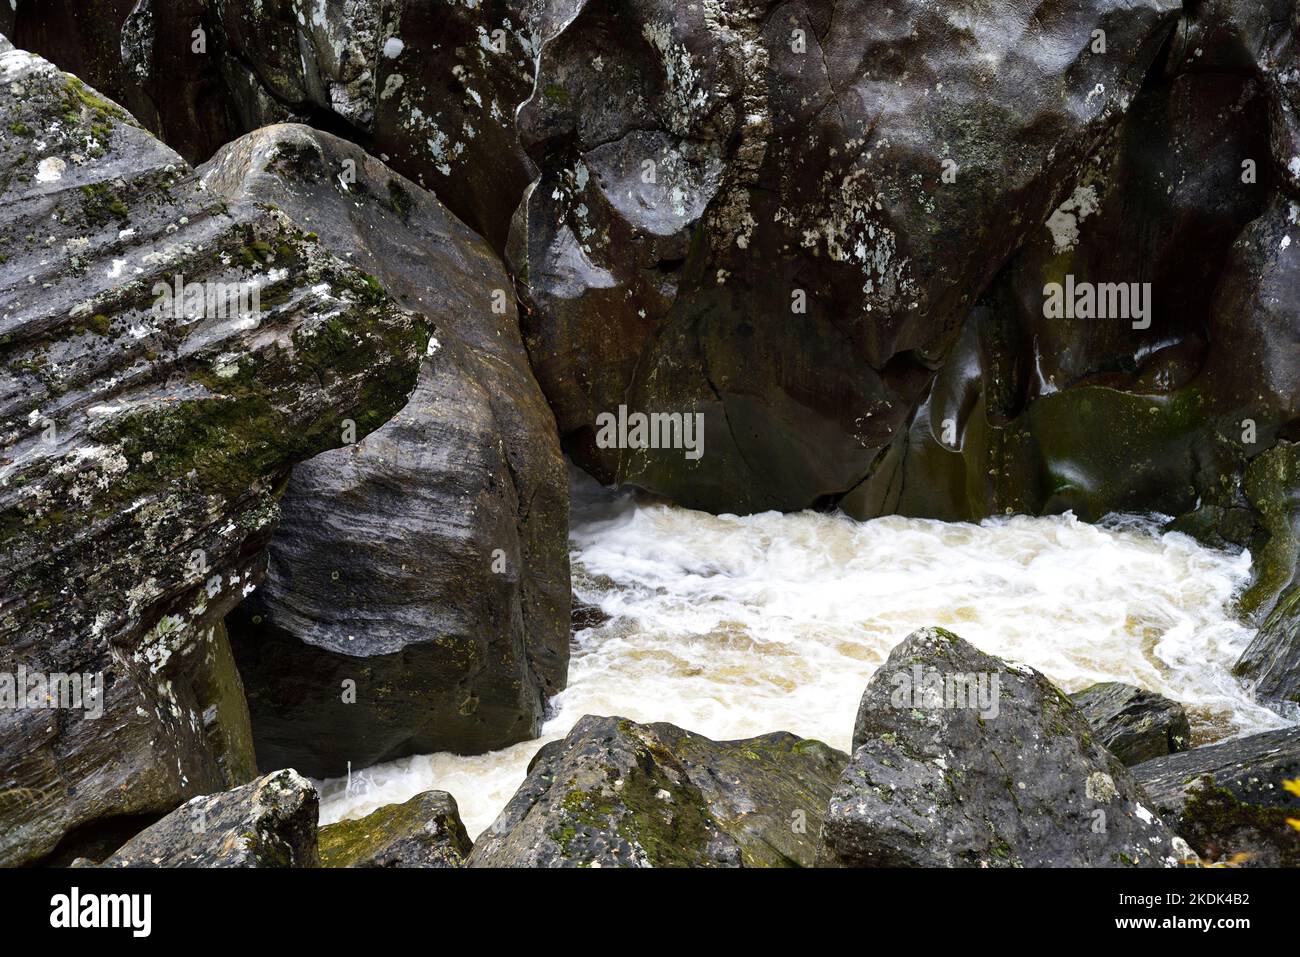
(619, 794)
(417, 597)
(1133, 724)
(964, 760)
(426, 831)
(269, 822)
(142, 443)
(1230, 799)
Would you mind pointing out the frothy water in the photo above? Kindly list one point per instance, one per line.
(733, 627)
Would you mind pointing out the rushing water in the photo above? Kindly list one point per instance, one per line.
(733, 627)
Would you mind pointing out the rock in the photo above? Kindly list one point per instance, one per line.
(270, 822)
(141, 447)
(1133, 724)
(1007, 774)
(145, 55)
(426, 831)
(417, 597)
(619, 794)
(737, 216)
(1229, 799)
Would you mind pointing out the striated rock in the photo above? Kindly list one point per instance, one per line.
(417, 597)
(749, 212)
(142, 443)
(964, 760)
(619, 794)
(426, 831)
(270, 822)
(1133, 724)
(1229, 799)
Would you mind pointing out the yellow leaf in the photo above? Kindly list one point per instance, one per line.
(1293, 786)
(1294, 823)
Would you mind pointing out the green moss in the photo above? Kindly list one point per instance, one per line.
(100, 324)
(1217, 825)
(20, 129)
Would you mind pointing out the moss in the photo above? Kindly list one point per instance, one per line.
(1218, 825)
(20, 129)
(100, 324)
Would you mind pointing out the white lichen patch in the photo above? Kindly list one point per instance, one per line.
(1064, 222)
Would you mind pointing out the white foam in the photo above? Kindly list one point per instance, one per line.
(733, 627)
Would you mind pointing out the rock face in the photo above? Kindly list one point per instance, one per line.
(433, 89)
(270, 822)
(418, 597)
(1133, 724)
(963, 760)
(142, 441)
(426, 831)
(780, 216)
(619, 794)
(1229, 799)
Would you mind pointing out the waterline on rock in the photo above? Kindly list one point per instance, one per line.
(735, 626)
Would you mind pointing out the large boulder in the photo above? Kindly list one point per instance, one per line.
(270, 822)
(1230, 801)
(142, 443)
(426, 831)
(619, 794)
(779, 216)
(1133, 724)
(963, 760)
(418, 597)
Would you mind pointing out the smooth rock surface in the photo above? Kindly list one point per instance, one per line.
(417, 597)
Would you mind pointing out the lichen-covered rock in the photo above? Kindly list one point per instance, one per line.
(619, 794)
(142, 441)
(270, 822)
(964, 760)
(426, 831)
(1229, 799)
(1134, 724)
(417, 597)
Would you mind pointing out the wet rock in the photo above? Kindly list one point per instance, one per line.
(964, 760)
(1229, 799)
(417, 597)
(737, 216)
(141, 446)
(619, 794)
(426, 831)
(270, 822)
(1133, 724)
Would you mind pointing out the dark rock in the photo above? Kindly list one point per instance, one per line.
(270, 822)
(140, 450)
(619, 794)
(428, 563)
(1133, 724)
(1230, 798)
(426, 831)
(964, 760)
(796, 151)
